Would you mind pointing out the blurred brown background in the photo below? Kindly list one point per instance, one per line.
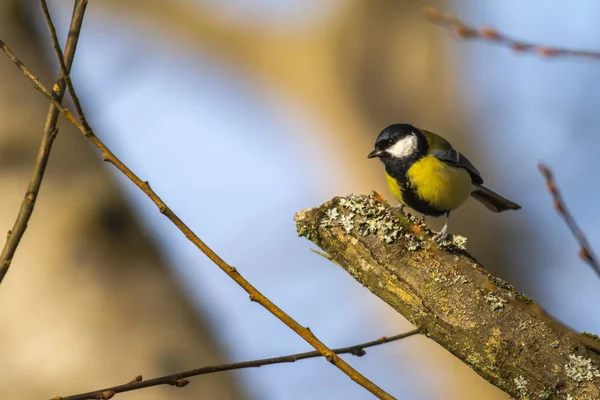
(240, 114)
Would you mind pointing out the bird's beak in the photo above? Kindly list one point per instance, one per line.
(375, 153)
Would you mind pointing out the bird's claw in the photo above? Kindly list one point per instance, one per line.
(441, 236)
(398, 211)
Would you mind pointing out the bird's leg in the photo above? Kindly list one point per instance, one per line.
(398, 211)
(443, 234)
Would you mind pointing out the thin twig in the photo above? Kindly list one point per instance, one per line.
(585, 251)
(50, 132)
(464, 31)
(61, 60)
(322, 254)
(232, 272)
(178, 379)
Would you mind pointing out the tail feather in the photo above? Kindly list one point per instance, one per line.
(492, 200)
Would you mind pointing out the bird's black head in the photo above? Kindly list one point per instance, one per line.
(399, 141)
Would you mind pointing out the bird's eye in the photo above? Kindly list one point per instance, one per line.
(384, 144)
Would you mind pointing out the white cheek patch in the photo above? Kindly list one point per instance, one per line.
(404, 147)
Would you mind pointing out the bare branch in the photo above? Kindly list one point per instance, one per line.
(451, 298)
(232, 272)
(50, 132)
(178, 378)
(585, 250)
(59, 55)
(464, 31)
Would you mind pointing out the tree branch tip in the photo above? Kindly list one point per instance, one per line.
(544, 170)
(360, 216)
(301, 215)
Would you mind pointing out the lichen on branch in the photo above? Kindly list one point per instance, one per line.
(450, 297)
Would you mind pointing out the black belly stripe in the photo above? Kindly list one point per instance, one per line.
(413, 200)
(397, 169)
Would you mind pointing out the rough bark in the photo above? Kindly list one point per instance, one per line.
(454, 300)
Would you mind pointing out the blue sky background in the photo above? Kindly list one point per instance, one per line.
(231, 159)
(535, 110)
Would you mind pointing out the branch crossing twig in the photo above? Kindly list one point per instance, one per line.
(179, 380)
(231, 271)
(50, 131)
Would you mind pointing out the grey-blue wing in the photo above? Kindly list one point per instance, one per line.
(456, 159)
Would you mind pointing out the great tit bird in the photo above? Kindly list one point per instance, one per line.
(426, 174)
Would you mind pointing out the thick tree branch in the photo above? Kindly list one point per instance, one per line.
(231, 271)
(178, 379)
(465, 31)
(452, 299)
(50, 132)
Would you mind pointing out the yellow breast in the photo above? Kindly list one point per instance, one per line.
(394, 188)
(441, 185)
